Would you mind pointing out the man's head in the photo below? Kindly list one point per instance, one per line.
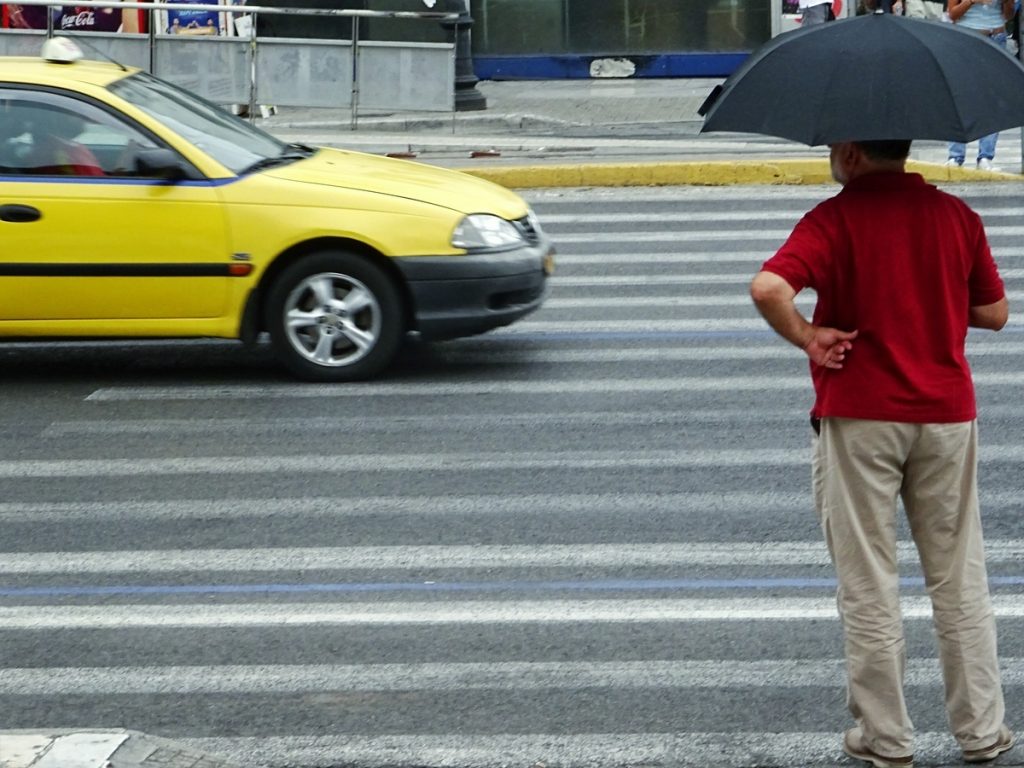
(850, 159)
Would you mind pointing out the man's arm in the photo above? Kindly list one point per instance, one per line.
(989, 316)
(774, 297)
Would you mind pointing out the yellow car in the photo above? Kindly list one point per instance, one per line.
(130, 208)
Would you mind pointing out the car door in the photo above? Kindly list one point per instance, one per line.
(86, 236)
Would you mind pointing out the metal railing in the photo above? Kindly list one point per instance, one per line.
(253, 70)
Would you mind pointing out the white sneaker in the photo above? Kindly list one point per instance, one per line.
(984, 164)
(954, 161)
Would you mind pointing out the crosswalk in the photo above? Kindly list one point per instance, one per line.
(583, 540)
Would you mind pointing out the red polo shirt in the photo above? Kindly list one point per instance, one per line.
(901, 262)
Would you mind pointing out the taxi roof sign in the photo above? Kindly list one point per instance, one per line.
(61, 50)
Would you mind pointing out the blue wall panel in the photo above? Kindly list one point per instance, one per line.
(561, 67)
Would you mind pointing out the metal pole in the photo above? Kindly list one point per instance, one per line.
(252, 68)
(354, 119)
(467, 97)
(151, 17)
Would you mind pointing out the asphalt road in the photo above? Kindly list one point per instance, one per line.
(585, 540)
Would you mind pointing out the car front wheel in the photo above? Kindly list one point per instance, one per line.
(335, 317)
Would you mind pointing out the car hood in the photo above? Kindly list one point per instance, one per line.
(402, 178)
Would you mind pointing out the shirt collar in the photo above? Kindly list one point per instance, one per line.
(886, 180)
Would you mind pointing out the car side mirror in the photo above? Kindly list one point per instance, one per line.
(160, 163)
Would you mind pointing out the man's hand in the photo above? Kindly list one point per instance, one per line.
(828, 346)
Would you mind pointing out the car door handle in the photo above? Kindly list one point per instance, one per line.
(19, 214)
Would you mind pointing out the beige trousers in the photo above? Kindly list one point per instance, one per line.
(860, 468)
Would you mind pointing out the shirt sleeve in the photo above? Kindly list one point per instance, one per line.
(801, 261)
(984, 284)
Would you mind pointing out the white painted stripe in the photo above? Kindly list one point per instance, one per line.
(654, 326)
(742, 278)
(668, 257)
(718, 234)
(442, 557)
(410, 462)
(778, 351)
(734, 749)
(752, 219)
(387, 424)
(783, 216)
(727, 256)
(339, 507)
(436, 389)
(465, 612)
(417, 462)
(786, 216)
(688, 278)
(675, 236)
(755, 195)
(547, 200)
(454, 677)
(612, 303)
(289, 508)
(433, 389)
(475, 421)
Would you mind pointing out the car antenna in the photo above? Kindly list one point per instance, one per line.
(66, 42)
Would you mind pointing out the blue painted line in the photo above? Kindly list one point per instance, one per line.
(601, 585)
(511, 338)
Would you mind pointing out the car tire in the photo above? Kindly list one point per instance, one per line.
(335, 316)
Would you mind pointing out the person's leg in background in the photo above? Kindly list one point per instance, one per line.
(815, 14)
(987, 151)
(987, 144)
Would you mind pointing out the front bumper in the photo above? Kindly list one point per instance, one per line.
(457, 296)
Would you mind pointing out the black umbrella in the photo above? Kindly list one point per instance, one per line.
(872, 77)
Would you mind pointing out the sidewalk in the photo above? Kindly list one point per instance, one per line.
(599, 133)
(112, 748)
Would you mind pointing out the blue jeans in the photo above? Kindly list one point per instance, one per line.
(986, 144)
(986, 148)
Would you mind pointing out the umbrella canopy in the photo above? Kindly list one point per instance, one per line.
(873, 77)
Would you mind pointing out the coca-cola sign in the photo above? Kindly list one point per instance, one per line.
(80, 19)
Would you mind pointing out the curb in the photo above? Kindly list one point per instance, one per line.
(704, 173)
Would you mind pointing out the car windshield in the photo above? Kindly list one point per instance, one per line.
(230, 140)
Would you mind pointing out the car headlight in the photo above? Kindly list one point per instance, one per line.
(482, 231)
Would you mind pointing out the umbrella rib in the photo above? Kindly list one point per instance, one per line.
(946, 81)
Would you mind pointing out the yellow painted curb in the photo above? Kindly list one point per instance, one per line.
(699, 173)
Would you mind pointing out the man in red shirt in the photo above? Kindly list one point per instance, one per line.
(901, 271)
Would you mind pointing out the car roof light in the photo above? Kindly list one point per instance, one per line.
(61, 50)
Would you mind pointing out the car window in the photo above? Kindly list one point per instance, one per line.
(226, 138)
(43, 133)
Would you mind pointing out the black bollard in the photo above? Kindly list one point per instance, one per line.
(467, 97)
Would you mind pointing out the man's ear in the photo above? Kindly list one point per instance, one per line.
(850, 155)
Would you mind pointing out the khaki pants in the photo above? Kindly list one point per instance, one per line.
(860, 467)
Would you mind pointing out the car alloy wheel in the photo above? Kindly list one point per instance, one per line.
(335, 317)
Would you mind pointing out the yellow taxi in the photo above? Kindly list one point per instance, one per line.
(131, 208)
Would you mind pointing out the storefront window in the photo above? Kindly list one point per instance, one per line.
(618, 27)
(519, 26)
